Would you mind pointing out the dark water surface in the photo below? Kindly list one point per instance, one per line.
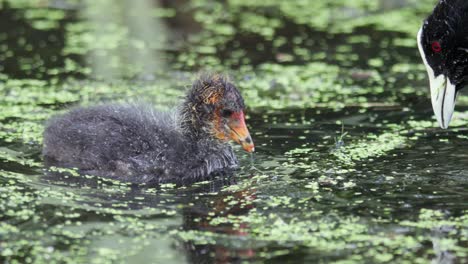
(349, 165)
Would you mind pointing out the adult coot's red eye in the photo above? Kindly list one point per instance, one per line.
(436, 47)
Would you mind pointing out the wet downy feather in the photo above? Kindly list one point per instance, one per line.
(136, 143)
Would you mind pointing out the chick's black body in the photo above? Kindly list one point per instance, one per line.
(138, 144)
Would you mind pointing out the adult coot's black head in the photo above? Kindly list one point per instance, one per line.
(443, 44)
(214, 107)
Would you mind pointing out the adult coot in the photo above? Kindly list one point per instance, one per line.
(443, 44)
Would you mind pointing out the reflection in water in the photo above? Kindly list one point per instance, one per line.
(125, 38)
(200, 207)
(442, 255)
(199, 217)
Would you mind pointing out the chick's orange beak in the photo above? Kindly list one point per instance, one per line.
(239, 132)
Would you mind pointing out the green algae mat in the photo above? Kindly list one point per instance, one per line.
(350, 165)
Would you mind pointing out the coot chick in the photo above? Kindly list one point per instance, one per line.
(135, 143)
(443, 44)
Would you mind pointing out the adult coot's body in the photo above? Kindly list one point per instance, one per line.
(443, 44)
(138, 144)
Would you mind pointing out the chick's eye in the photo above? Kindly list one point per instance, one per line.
(226, 113)
(436, 47)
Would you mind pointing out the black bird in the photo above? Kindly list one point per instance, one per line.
(135, 143)
(443, 44)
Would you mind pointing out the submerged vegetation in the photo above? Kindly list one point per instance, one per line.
(393, 190)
